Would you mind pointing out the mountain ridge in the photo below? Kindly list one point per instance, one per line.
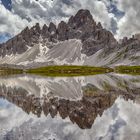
(51, 45)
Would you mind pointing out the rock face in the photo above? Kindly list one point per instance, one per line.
(76, 42)
(81, 26)
(137, 36)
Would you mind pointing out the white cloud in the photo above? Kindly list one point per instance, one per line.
(130, 23)
(9, 22)
(28, 12)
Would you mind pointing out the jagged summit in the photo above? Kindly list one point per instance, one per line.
(81, 19)
(79, 40)
(81, 26)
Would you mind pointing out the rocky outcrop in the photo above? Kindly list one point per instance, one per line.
(101, 39)
(137, 36)
(81, 26)
(83, 21)
(63, 30)
(132, 41)
(21, 42)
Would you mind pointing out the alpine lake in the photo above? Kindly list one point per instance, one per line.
(70, 103)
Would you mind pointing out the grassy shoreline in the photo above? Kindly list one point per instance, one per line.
(10, 71)
(72, 70)
(133, 70)
(69, 70)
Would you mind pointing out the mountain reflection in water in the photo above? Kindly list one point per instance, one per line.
(93, 107)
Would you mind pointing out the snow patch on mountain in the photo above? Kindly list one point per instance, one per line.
(68, 52)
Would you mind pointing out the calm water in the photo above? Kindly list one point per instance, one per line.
(101, 107)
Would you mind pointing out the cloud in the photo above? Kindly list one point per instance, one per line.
(119, 16)
(10, 23)
(28, 12)
(129, 23)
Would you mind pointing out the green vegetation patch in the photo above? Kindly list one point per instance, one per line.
(69, 70)
(9, 71)
(133, 70)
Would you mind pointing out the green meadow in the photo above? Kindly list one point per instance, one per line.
(72, 70)
(9, 71)
(69, 70)
(133, 70)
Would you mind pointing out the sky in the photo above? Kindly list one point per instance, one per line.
(121, 17)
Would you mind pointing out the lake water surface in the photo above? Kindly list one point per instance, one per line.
(100, 107)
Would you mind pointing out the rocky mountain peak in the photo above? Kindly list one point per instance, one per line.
(99, 25)
(52, 28)
(36, 29)
(81, 26)
(62, 30)
(137, 36)
(26, 30)
(132, 41)
(82, 18)
(45, 30)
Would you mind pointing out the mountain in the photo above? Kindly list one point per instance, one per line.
(80, 41)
